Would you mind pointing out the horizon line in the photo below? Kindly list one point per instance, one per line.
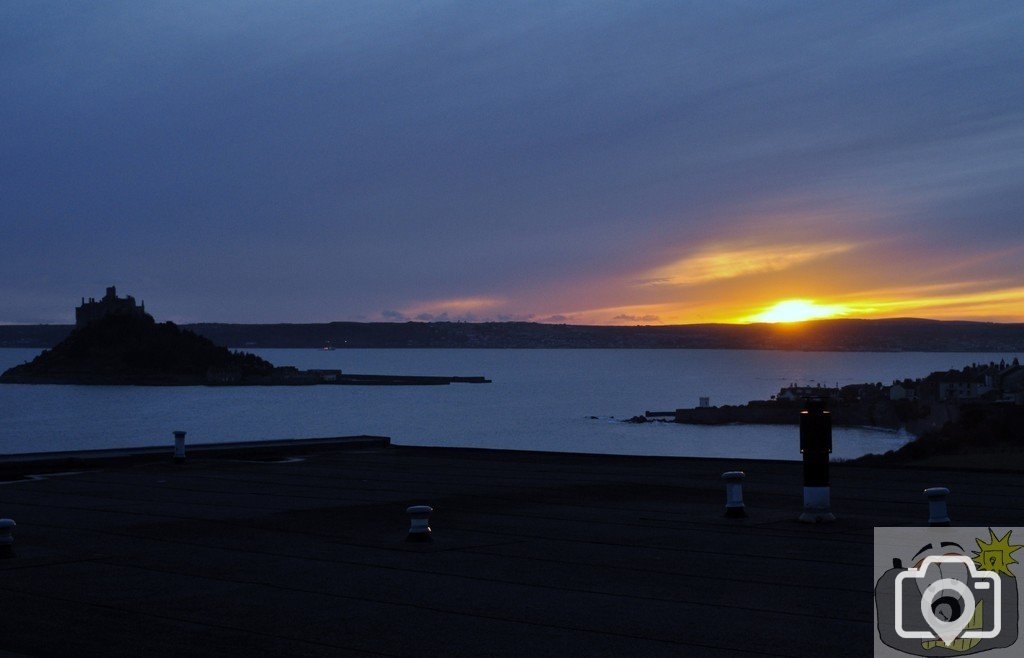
(556, 324)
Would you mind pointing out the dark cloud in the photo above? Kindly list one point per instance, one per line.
(636, 318)
(557, 318)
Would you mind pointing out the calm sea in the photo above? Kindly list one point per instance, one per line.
(540, 400)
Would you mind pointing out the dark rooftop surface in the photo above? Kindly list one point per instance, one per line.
(533, 554)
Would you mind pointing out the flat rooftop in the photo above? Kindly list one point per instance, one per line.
(298, 549)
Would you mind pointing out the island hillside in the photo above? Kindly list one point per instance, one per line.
(135, 349)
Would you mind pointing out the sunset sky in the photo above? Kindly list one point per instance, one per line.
(585, 162)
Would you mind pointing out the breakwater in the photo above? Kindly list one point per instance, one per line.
(779, 413)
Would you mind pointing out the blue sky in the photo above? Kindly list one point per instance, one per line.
(583, 161)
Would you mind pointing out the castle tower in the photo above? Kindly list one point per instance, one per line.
(111, 304)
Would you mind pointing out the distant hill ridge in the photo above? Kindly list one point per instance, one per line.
(899, 334)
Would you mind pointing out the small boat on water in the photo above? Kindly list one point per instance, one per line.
(328, 347)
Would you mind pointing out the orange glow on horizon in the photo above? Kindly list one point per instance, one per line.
(774, 273)
(797, 310)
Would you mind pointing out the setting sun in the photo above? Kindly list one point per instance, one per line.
(797, 310)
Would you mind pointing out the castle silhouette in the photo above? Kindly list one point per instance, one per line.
(111, 304)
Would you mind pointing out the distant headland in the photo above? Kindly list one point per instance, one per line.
(116, 342)
(974, 415)
(917, 405)
(840, 335)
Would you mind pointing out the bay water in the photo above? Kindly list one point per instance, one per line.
(539, 400)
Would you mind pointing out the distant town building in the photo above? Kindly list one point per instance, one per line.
(794, 393)
(111, 304)
(902, 391)
(863, 392)
(966, 384)
(1010, 383)
(1011, 378)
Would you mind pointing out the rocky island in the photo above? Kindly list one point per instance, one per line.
(115, 342)
(133, 349)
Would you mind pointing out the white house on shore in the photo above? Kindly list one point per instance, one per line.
(902, 391)
(961, 386)
(794, 393)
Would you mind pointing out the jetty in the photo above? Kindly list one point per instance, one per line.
(298, 548)
(289, 376)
